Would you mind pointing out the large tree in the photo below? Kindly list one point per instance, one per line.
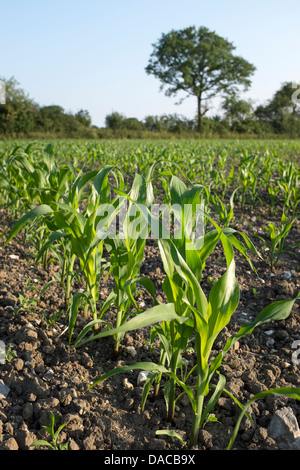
(199, 63)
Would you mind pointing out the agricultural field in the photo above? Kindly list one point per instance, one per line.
(122, 332)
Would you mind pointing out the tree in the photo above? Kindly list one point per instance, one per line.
(236, 109)
(282, 102)
(51, 118)
(20, 116)
(238, 113)
(17, 115)
(168, 123)
(114, 120)
(199, 63)
(282, 111)
(84, 117)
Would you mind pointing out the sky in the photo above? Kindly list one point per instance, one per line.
(92, 54)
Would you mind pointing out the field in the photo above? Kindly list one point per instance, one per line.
(145, 339)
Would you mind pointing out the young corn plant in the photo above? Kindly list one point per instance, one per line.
(125, 247)
(15, 178)
(196, 317)
(183, 265)
(207, 318)
(273, 191)
(274, 239)
(222, 180)
(126, 252)
(287, 181)
(37, 181)
(53, 434)
(248, 184)
(225, 213)
(78, 233)
(46, 235)
(54, 221)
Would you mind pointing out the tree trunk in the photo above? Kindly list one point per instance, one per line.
(199, 114)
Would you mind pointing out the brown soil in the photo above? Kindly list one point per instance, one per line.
(48, 375)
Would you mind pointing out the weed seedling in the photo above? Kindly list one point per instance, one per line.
(10, 354)
(25, 304)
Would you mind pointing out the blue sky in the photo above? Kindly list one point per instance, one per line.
(92, 54)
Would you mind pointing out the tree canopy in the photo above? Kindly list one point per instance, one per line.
(20, 115)
(199, 63)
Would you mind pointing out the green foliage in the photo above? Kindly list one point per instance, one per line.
(275, 239)
(10, 353)
(53, 434)
(225, 213)
(200, 63)
(282, 112)
(66, 212)
(25, 304)
(18, 113)
(22, 117)
(292, 392)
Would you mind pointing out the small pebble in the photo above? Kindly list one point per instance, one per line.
(286, 275)
(127, 384)
(142, 376)
(13, 256)
(131, 351)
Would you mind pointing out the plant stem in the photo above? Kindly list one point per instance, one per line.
(69, 280)
(156, 386)
(196, 420)
(173, 367)
(119, 336)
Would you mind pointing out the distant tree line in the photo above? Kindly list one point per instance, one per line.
(21, 116)
(279, 116)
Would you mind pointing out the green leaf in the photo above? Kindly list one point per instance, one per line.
(81, 219)
(161, 312)
(22, 158)
(149, 285)
(53, 237)
(38, 211)
(148, 366)
(292, 392)
(170, 433)
(223, 300)
(279, 310)
(47, 286)
(42, 442)
(177, 189)
(75, 302)
(214, 398)
(152, 367)
(56, 434)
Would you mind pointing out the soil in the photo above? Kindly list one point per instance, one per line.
(47, 375)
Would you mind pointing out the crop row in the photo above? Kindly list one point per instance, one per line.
(103, 220)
